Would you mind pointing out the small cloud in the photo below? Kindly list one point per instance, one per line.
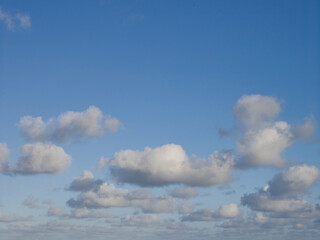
(31, 202)
(15, 21)
(69, 126)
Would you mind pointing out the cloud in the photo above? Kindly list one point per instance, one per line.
(15, 21)
(85, 182)
(225, 211)
(252, 110)
(282, 197)
(294, 181)
(306, 131)
(107, 195)
(141, 220)
(40, 158)
(183, 192)
(9, 218)
(263, 146)
(264, 139)
(69, 126)
(169, 164)
(31, 202)
(4, 152)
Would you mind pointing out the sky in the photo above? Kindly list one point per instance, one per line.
(159, 119)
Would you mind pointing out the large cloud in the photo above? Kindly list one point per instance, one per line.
(40, 158)
(169, 164)
(264, 138)
(107, 195)
(282, 197)
(262, 146)
(225, 211)
(68, 126)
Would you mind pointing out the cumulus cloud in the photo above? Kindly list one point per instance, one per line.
(15, 21)
(85, 182)
(68, 126)
(294, 181)
(40, 158)
(252, 110)
(183, 192)
(306, 131)
(225, 211)
(169, 164)
(263, 146)
(265, 139)
(107, 195)
(282, 197)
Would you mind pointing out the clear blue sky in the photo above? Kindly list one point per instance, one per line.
(166, 72)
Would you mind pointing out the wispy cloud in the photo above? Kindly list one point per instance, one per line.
(14, 21)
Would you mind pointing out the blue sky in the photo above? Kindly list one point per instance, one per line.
(202, 116)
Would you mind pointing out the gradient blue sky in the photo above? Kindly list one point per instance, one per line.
(172, 72)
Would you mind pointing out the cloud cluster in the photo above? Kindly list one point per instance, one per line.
(107, 195)
(282, 197)
(225, 211)
(169, 164)
(39, 158)
(15, 21)
(69, 126)
(265, 139)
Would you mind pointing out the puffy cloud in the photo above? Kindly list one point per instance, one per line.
(282, 197)
(169, 164)
(185, 208)
(264, 138)
(55, 211)
(4, 152)
(262, 146)
(107, 195)
(85, 182)
(252, 110)
(184, 192)
(294, 181)
(68, 126)
(306, 131)
(40, 158)
(225, 211)
(15, 21)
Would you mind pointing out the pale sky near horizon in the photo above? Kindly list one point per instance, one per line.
(159, 119)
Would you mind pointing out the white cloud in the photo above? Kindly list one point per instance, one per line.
(183, 192)
(252, 110)
(68, 126)
(185, 208)
(169, 164)
(15, 21)
(225, 211)
(294, 181)
(282, 197)
(263, 146)
(40, 158)
(4, 151)
(31, 202)
(107, 195)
